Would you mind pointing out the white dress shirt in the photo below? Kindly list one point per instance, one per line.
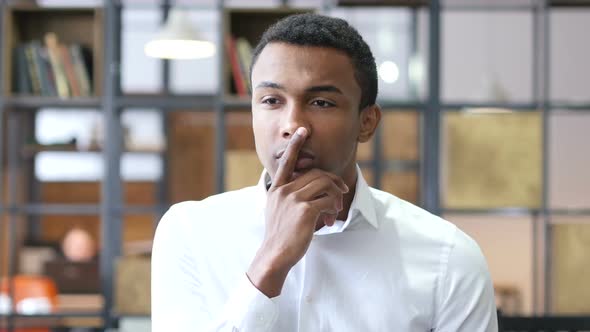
(390, 266)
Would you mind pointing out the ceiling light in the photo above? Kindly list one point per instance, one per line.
(177, 39)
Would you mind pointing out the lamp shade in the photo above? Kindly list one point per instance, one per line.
(178, 40)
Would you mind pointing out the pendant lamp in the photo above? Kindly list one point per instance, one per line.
(177, 39)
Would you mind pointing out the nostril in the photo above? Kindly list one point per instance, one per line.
(286, 135)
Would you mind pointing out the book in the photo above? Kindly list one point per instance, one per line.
(33, 70)
(236, 71)
(41, 65)
(83, 74)
(244, 50)
(56, 65)
(22, 80)
(69, 70)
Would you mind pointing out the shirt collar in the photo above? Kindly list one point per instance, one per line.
(362, 203)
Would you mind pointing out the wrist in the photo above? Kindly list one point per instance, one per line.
(267, 275)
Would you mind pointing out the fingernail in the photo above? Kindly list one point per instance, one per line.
(301, 131)
(346, 188)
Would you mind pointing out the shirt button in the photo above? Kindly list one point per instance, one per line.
(308, 299)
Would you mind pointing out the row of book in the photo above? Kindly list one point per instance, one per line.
(239, 52)
(53, 69)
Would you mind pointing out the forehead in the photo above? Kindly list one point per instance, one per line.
(289, 64)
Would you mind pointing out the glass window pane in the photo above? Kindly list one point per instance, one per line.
(54, 126)
(486, 56)
(404, 185)
(252, 3)
(78, 131)
(306, 3)
(143, 130)
(68, 166)
(570, 268)
(570, 70)
(569, 181)
(139, 73)
(491, 160)
(400, 135)
(397, 51)
(141, 167)
(203, 3)
(506, 243)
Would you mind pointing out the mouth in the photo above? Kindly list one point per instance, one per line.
(305, 160)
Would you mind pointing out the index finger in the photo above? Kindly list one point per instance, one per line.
(289, 158)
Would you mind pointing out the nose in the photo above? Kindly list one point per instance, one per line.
(294, 117)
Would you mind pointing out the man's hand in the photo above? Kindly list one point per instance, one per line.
(293, 209)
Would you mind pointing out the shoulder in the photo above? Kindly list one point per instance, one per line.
(197, 217)
(411, 221)
(422, 231)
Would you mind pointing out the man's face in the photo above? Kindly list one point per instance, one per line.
(312, 87)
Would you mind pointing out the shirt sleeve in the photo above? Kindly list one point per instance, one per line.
(182, 303)
(465, 292)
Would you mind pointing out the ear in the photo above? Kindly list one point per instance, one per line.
(370, 118)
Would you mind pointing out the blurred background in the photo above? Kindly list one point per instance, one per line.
(104, 126)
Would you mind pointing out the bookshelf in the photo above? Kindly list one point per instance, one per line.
(221, 122)
(244, 27)
(29, 23)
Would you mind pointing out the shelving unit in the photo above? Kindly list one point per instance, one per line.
(101, 28)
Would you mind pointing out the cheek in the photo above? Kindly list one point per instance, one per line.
(339, 139)
(262, 140)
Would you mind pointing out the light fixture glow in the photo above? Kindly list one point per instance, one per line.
(389, 72)
(178, 40)
(416, 69)
(179, 49)
(487, 110)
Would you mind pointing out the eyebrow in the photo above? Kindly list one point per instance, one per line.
(323, 88)
(272, 85)
(317, 88)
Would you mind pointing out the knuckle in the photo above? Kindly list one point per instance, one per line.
(280, 191)
(309, 207)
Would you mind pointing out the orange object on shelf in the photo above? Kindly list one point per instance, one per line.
(26, 288)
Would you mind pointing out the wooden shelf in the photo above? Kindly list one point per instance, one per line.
(32, 149)
(36, 102)
(167, 101)
(569, 3)
(82, 26)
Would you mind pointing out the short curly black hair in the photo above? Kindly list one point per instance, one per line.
(318, 30)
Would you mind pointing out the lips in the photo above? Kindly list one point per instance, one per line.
(305, 160)
(303, 163)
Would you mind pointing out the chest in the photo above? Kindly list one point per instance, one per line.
(357, 288)
(355, 281)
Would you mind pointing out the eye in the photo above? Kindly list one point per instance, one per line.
(270, 101)
(322, 103)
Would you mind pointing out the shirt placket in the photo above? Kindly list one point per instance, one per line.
(307, 320)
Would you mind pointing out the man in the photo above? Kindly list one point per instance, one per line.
(312, 247)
